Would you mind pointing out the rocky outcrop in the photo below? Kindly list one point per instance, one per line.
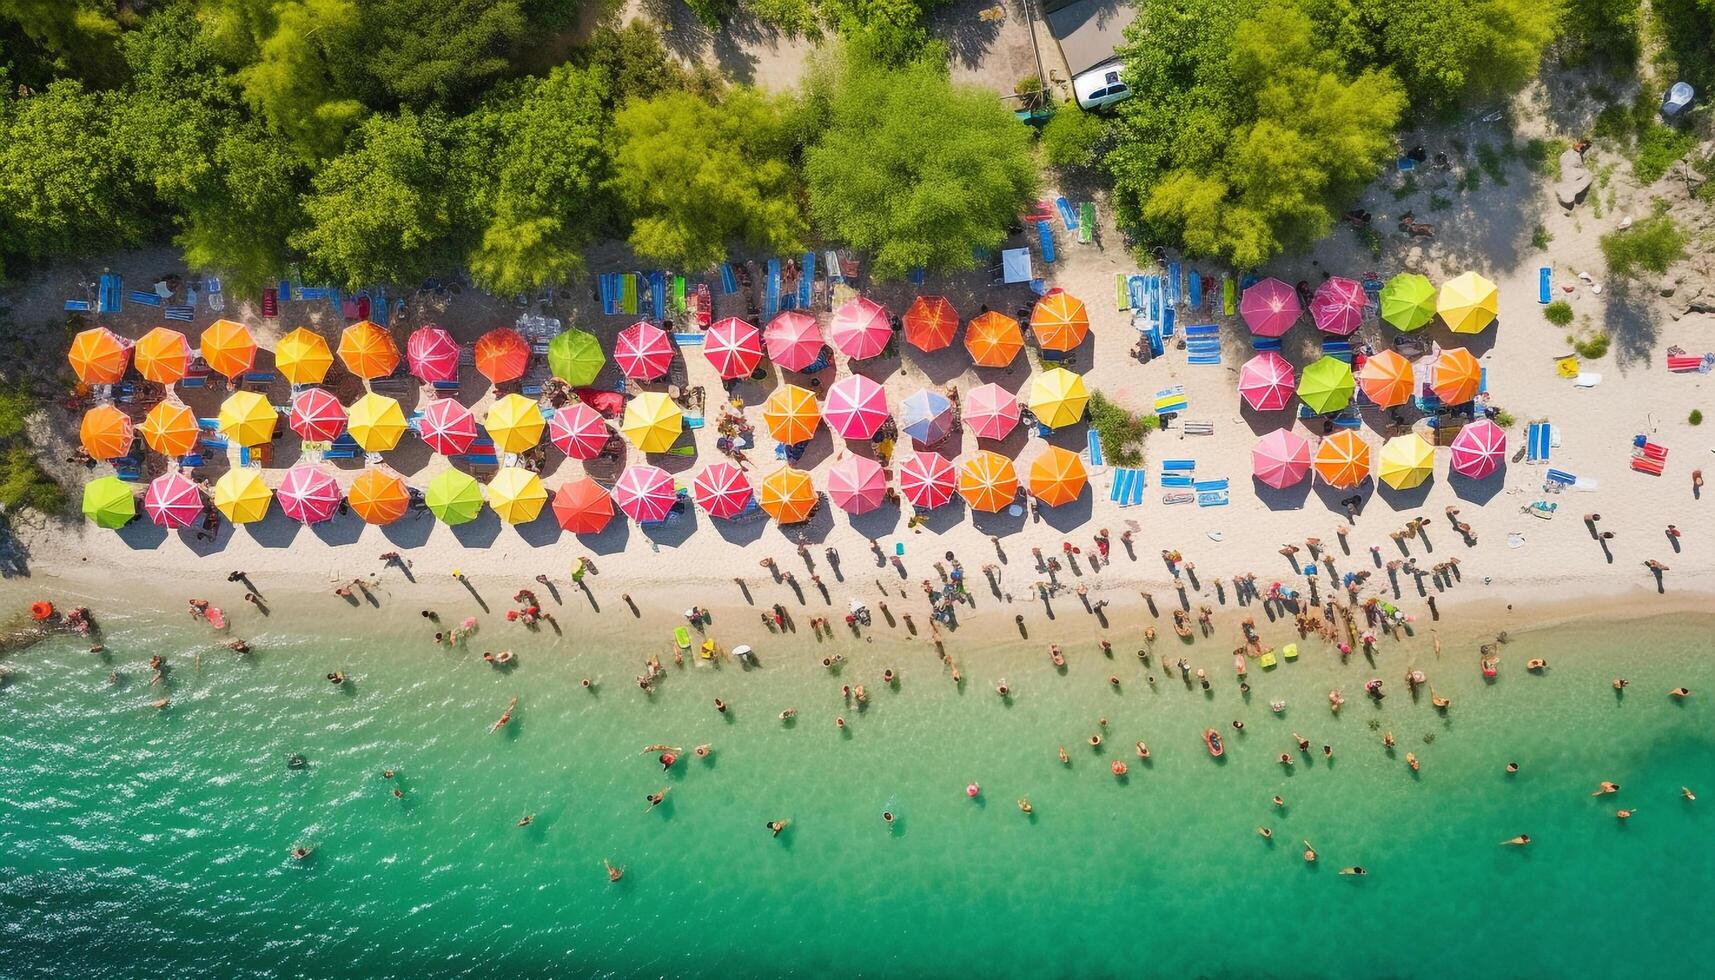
(1574, 179)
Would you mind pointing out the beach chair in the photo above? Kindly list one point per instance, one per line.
(1171, 400)
(110, 296)
(729, 279)
(1203, 343)
(1194, 290)
(807, 280)
(1174, 290)
(1197, 427)
(1045, 237)
(1127, 488)
(79, 306)
(1086, 223)
(180, 312)
(771, 290)
(1229, 296)
(1068, 214)
(1544, 285)
(1340, 350)
(1093, 450)
(628, 287)
(1687, 363)
(1536, 441)
(216, 298)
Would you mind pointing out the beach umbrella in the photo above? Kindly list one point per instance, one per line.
(926, 416)
(1342, 460)
(454, 497)
(1326, 385)
(642, 351)
(1408, 301)
(376, 422)
(1058, 476)
(247, 418)
(722, 490)
(170, 429)
(930, 323)
(368, 351)
(988, 482)
(582, 506)
(1057, 397)
(501, 355)
(517, 495)
(1455, 377)
(379, 496)
(1270, 307)
(579, 431)
(1281, 458)
(644, 493)
(787, 495)
(108, 502)
(734, 347)
(227, 348)
(515, 423)
(1387, 379)
(993, 339)
(991, 411)
(575, 357)
(303, 358)
(448, 427)
(98, 356)
(308, 494)
(793, 340)
(927, 480)
(241, 495)
(105, 432)
(1479, 449)
(173, 501)
(652, 422)
(856, 407)
(860, 328)
(1267, 382)
(1405, 462)
(791, 414)
(162, 355)
(1059, 320)
(1338, 306)
(316, 415)
(1468, 303)
(857, 484)
(432, 354)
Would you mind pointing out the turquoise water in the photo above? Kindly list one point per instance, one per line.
(143, 843)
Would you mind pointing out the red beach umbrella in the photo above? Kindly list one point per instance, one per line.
(722, 490)
(1267, 382)
(1270, 307)
(857, 484)
(502, 354)
(930, 323)
(927, 480)
(578, 430)
(859, 328)
(308, 494)
(432, 354)
(793, 340)
(855, 407)
(1338, 306)
(645, 493)
(448, 427)
(316, 415)
(1281, 458)
(173, 501)
(643, 351)
(734, 347)
(582, 506)
(1479, 449)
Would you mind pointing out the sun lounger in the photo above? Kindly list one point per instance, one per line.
(1178, 480)
(1649, 450)
(180, 313)
(1560, 477)
(1686, 363)
(1537, 442)
(110, 296)
(1644, 464)
(729, 279)
(1544, 285)
(79, 306)
(1086, 223)
(628, 293)
(1093, 450)
(1045, 235)
(1137, 293)
(1260, 344)
(1198, 427)
(771, 292)
(1068, 214)
(1122, 291)
(216, 298)
(807, 280)
(1202, 486)
(1229, 296)
(1127, 487)
(1173, 289)
(1340, 350)
(1171, 400)
(1194, 290)
(1178, 465)
(658, 294)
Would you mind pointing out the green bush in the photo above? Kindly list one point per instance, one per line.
(1540, 237)
(1558, 312)
(1543, 156)
(1659, 147)
(1490, 160)
(1069, 139)
(1504, 418)
(23, 483)
(1592, 348)
(1122, 432)
(1651, 245)
(1696, 417)
(1613, 123)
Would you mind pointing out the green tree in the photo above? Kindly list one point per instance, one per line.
(300, 65)
(696, 176)
(389, 208)
(914, 169)
(1070, 138)
(1447, 51)
(75, 38)
(440, 52)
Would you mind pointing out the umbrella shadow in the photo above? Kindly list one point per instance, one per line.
(1289, 498)
(541, 532)
(1411, 499)
(478, 532)
(410, 531)
(1070, 515)
(274, 531)
(1478, 491)
(878, 523)
(339, 529)
(143, 534)
(1331, 495)
(610, 540)
(747, 531)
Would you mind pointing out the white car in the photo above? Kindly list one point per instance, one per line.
(1100, 86)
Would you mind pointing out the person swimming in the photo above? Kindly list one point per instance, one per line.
(1512, 767)
(1686, 792)
(776, 826)
(703, 750)
(720, 706)
(1285, 759)
(1303, 743)
(656, 798)
(524, 821)
(887, 817)
(296, 761)
(1279, 802)
(614, 873)
(1519, 841)
(1604, 788)
(1356, 869)
(1024, 805)
(1309, 853)
(1625, 814)
(1265, 833)
(1680, 692)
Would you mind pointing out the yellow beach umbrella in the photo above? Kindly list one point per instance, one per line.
(247, 418)
(303, 357)
(1057, 397)
(652, 422)
(514, 423)
(242, 496)
(375, 422)
(1406, 461)
(517, 495)
(1468, 303)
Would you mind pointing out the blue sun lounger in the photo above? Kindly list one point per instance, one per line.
(1045, 233)
(1068, 213)
(110, 297)
(1127, 488)
(1203, 343)
(771, 296)
(1544, 284)
(1094, 441)
(1537, 442)
(807, 280)
(729, 279)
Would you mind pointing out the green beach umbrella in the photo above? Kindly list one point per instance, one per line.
(109, 502)
(454, 497)
(1408, 301)
(1326, 385)
(575, 357)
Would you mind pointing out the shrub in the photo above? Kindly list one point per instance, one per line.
(1592, 347)
(1540, 237)
(1650, 245)
(23, 483)
(1439, 203)
(1122, 432)
(1490, 160)
(1504, 418)
(1613, 123)
(1543, 156)
(1659, 147)
(1069, 139)
(1558, 312)
(1696, 417)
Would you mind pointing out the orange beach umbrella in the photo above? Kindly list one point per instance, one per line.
(792, 415)
(993, 339)
(1343, 460)
(988, 482)
(98, 356)
(228, 348)
(379, 496)
(1059, 320)
(930, 323)
(170, 429)
(1456, 376)
(1058, 476)
(368, 351)
(1387, 379)
(162, 355)
(787, 495)
(105, 432)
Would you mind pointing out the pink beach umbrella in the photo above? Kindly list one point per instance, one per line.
(793, 340)
(1479, 449)
(1270, 308)
(860, 328)
(645, 493)
(1338, 306)
(991, 411)
(722, 490)
(173, 501)
(308, 494)
(927, 480)
(1267, 382)
(643, 351)
(316, 415)
(857, 484)
(448, 427)
(734, 347)
(855, 407)
(578, 430)
(432, 355)
(1281, 458)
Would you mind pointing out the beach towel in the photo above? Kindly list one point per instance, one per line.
(1178, 480)
(1094, 453)
(1068, 215)
(1212, 498)
(771, 292)
(147, 297)
(628, 293)
(1157, 346)
(1559, 476)
(1045, 233)
(79, 306)
(1178, 465)
(836, 272)
(1086, 223)
(110, 296)
(182, 314)
(270, 302)
(1169, 317)
(1127, 488)
(687, 339)
(1340, 350)
(1152, 287)
(1684, 363)
(1544, 284)
(1195, 290)
(604, 290)
(1537, 442)
(1137, 293)
(1204, 485)
(1170, 400)
(676, 295)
